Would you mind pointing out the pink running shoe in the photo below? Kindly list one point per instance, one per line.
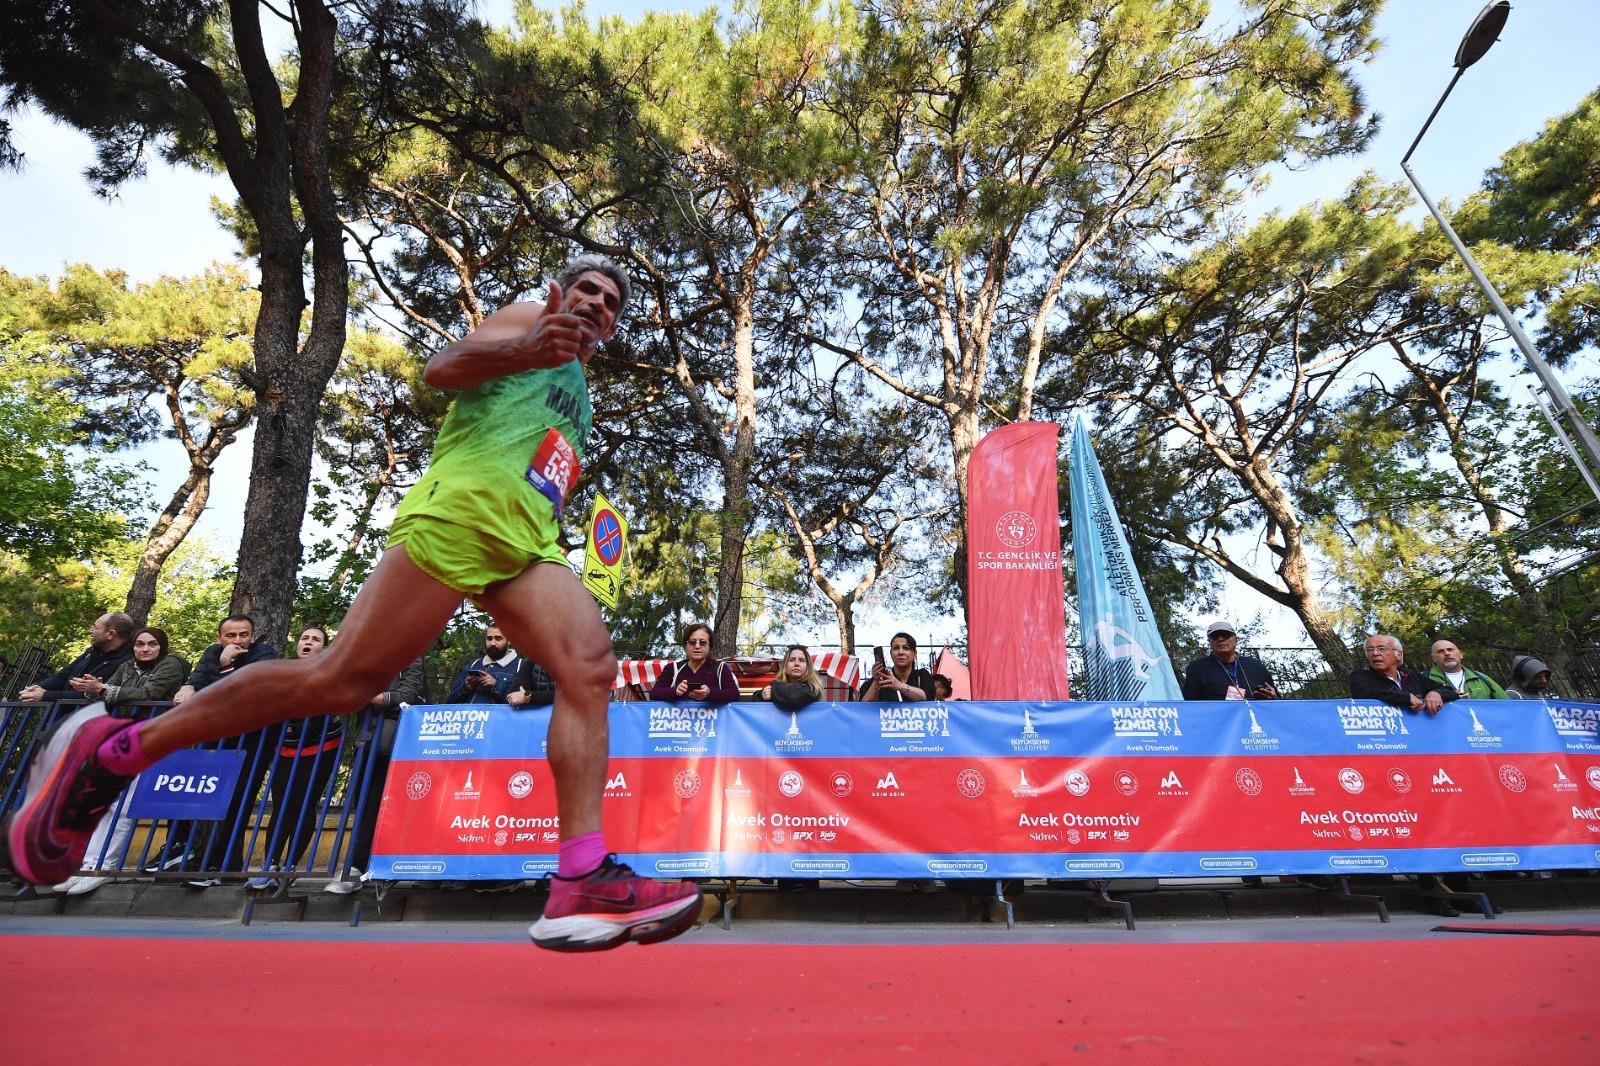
(612, 906)
(68, 791)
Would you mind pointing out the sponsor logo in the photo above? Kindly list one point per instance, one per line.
(1257, 738)
(1077, 782)
(1024, 788)
(550, 836)
(1074, 837)
(828, 836)
(1563, 783)
(452, 723)
(840, 784)
(970, 783)
(1380, 720)
(1351, 781)
(520, 784)
(1016, 529)
(1574, 721)
(1249, 781)
(1592, 775)
(468, 791)
(913, 721)
(1479, 736)
(1355, 832)
(1146, 721)
(1514, 779)
(1126, 783)
(673, 721)
(791, 784)
(617, 786)
(1443, 783)
(500, 838)
(738, 788)
(419, 785)
(778, 836)
(1399, 780)
(1029, 739)
(1171, 786)
(686, 783)
(888, 786)
(1300, 788)
(793, 738)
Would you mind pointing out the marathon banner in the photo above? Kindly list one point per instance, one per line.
(1010, 789)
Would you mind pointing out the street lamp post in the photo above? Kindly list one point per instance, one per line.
(1483, 32)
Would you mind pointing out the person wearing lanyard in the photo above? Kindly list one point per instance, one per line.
(1225, 674)
(1388, 680)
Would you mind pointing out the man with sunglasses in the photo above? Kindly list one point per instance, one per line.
(482, 523)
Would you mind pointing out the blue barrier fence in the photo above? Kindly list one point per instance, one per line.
(303, 801)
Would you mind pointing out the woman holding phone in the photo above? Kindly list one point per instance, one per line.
(698, 677)
(903, 681)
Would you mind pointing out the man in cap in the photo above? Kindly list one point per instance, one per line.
(1225, 674)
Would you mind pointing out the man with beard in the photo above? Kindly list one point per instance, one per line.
(481, 523)
(489, 677)
(108, 649)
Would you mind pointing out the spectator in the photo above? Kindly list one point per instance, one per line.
(1225, 674)
(534, 686)
(1530, 680)
(797, 684)
(1388, 680)
(154, 672)
(381, 723)
(1448, 669)
(904, 681)
(699, 677)
(236, 648)
(151, 675)
(307, 755)
(489, 677)
(943, 689)
(108, 649)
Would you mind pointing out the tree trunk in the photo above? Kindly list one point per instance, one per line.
(964, 436)
(735, 515)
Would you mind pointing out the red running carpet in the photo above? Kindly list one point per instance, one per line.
(79, 999)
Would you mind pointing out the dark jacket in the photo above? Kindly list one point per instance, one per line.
(411, 686)
(505, 679)
(1371, 685)
(918, 677)
(1524, 668)
(208, 671)
(1208, 679)
(713, 673)
(101, 664)
(535, 680)
(792, 695)
(135, 683)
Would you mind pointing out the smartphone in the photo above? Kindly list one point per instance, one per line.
(877, 654)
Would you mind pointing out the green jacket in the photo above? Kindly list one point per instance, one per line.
(1479, 686)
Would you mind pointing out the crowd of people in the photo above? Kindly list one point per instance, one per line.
(1224, 674)
(128, 666)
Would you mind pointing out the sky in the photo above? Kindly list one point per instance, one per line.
(163, 224)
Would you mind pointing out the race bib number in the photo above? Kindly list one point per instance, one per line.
(554, 470)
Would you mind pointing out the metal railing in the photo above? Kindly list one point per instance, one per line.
(290, 815)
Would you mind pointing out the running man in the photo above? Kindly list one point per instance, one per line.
(481, 523)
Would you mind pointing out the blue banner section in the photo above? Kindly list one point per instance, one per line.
(1123, 652)
(190, 784)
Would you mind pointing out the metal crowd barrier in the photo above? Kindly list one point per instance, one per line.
(290, 817)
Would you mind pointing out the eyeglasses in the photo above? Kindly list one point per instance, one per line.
(696, 641)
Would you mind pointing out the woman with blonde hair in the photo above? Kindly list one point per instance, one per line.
(797, 683)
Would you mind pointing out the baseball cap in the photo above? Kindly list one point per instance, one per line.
(1220, 626)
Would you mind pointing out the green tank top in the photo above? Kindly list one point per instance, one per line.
(479, 474)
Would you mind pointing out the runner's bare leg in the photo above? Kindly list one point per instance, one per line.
(397, 614)
(547, 616)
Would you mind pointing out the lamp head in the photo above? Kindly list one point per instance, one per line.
(1482, 34)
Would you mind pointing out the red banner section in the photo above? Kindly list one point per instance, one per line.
(1015, 600)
